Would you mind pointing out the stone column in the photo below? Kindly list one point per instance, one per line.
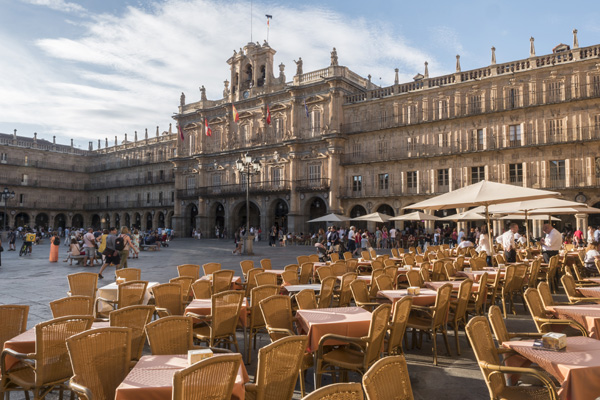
(537, 228)
(294, 214)
(582, 222)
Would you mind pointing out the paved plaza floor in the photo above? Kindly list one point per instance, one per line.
(34, 281)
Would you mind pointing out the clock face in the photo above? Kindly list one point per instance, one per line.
(580, 198)
(246, 94)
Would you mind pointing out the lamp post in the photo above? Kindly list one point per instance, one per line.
(248, 167)
(6, 194)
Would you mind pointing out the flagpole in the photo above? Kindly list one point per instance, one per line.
(250, 20)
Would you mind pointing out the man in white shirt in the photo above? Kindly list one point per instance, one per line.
(508, 243)
(393, 237)
(351, 240)
(552, 242)
(461, 236)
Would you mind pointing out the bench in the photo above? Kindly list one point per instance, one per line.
(149, 247)
(80, 259)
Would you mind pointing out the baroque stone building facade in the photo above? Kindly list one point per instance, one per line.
(335, 143)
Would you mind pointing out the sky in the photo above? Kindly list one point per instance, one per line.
(96, 69)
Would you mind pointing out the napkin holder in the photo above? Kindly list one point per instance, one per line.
(468, 270)
(413, 290)
(554, 341)
(198, 355)
(501, 266)
(121, 280)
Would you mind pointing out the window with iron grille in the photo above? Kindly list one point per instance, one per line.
(477, 174)
(514, 135)
(515, 173)
(314, 172)
(443, 177)
(384, 181)
(411, 179)
(553, 92)
(357, 183)
(557, 170)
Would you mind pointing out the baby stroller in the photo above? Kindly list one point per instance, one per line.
(322, 252)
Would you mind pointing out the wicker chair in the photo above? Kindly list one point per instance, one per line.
(450, 271)
(499, 327)
(477, 264)
(397, 327)
(476, 305)
(168, 299)
(414, 278)
(573, 294)
(136, 318)
(129, 274)
(171, 335)
(210, 268)
(546, 296)
(265, 278)
(365, 254)
(373, 288)
(360, 353)
(388, 379)
(326, 294)
(347, 255)
(14, 321)
(409, 260)
(551, 273)
(306, 299)
(352, 265)
(83, 284)
(73, 305)
(334, 257)
(277, 312)
(251, 280)
(324, 272)
(458, 309)
(392, 272)
(337, 391)
(292, 267)
(265, 264)
(222, 280)
(278, 368)
(100, 359)
(488, 358)
(186, 285)
(339, 268)
(220, 326)
(360, 293)
(513, 283)
(424, 272)
(306, 271)
(384, 282)
(345, 294)
(202, 289)
(189, 270)
(543, 321)
(438, 272)
(246, 265)
(376, 264)
(302, 259)
(313, 258)
(212, 378)
(290, 277)
(257, 321)
(434, 319)
(49, 366)
(128, 294)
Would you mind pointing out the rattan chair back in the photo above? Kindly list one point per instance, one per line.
(377, 330)
(210, 268)
(388, 379)
(326, 294)
(225, 313)
(339, 268)
(462, 300)
(83, 284)
(545, 294)
(334, 257)
(100, 359)
(14, 321)
(414, 278)
(265, 264)
(313, 258)
(136, 318)
(441, 305)
(186, 285)
(129, 274)
(389, 263)
(290, 277)
(347, 255)
(292, 267)
(265, 278)
(384, 282)
(409, 259)
(209, 379)
(568, 283)
(168, 299)
(536, 308)
(170, 335)
(306, 299)
(360, 292)
(477, 264)
(257, 295)
(302, 259)
(222, 280)
(306, 271)
(246, 265)
(534, 272)
(397, 328)
(131, 293)
(424, 271)
(202, 289)
(373, 288)
(345, 292)
(352, 265)
(481, 294)
(189, 270)
(337, 391)
(72, 305)
(438, 273)
(324, 272)
(365, 254)
(277, 312)
(498, 325)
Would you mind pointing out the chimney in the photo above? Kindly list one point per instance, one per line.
(98, 144)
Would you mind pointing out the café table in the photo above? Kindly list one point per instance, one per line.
(455, 285)
(577, 368)
(293, 289)
(475, 276)
(25, 342)
(152, 378)
(111, 292)
(236, 281)
(591, 291)
(366, 278)
(204, 307)
(278, 272)
(426, 297)
(587, 315)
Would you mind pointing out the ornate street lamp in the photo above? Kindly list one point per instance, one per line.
(248, 168)
(6, 194)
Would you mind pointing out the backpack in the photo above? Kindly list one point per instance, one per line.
(119, 243)
(56, 241)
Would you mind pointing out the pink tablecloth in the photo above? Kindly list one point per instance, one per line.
(593, 291)
(152, 379)
(347, 321)
(577, 368)
(455, 285)
(475, 276)
(425, 298)
(587, 315)
(204, 307)
(236, 282)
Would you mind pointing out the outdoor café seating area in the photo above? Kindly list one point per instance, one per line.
(337, 329)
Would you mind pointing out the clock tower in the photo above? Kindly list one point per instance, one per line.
(251, 71)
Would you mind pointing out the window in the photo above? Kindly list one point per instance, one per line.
(278, 126)
(216, 180)
(554, 92)
(514, 135)
(161, 175)
(382, 148)
(384, 181)
(480, 139)
(515, 173)
(97, 199)
(555, 130)
(107, 200)
(147, 198)
(411, 179)
(246, 132)
(191, 182)
(172, 196)
(411, 144)
(356, 149)
(3, 157)
(513, 98)
(315, 122)
(26, 160)
(149, 178)
(477, 174)
(411, 114)
(557, 172)
(314, 173)
(442, 109)
(160, 198)
(21, 198)
(173, 174)
(277, 176)
(443, 177)
(357, 183)
(475, 104)
(24, 179)
(596, 86)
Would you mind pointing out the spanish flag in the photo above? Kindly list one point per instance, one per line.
(268, 115)
(207, 128)
(236, 116)
(180, 132)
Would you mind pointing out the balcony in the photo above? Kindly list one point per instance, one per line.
(312, 185)
(123, 205)
(237, 189)
(119, 183)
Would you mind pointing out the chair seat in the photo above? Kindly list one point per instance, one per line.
(418, 322)
(345, 358)
(22, 376)
(202, 331)
(524, 393)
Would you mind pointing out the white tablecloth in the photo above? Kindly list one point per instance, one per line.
(110, 292)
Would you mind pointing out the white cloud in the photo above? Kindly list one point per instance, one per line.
(127, 71)
(58, 5)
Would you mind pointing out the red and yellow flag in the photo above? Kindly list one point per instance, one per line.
(236, 116)
(180, 132)
(268, 115)
(207, 128)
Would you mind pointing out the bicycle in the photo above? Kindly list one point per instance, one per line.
(25, 248)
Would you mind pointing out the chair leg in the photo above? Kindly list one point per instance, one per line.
(503, 304)
(456, 337)
(434, 340)
(302, 377)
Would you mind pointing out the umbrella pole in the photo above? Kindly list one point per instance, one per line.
(487, 219)
(527, 228)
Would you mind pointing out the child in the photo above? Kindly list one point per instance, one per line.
(364, 242)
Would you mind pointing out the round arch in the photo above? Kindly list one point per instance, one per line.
(191, 211)
(117, 221)
(241, 215)
(127, 220)
(315, 207)
(147, 220)
(160, 218)
(77, 221)
(106, 221)
(137, 220)
(358, 211)
(41, 220)
(3, 221)
(217, 225)
(21, 219)
(279, 213)
(96, 222)
(169, 220)
(60, 221)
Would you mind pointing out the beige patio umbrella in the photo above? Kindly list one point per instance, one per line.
(331, 218)
(373, 217)
(530, 217)
(469, 215)
(415, 216)
(483, 193)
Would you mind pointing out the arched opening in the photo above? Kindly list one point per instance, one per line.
(169, 220)
(127, 221)
(106, 221)
(137, 221)
(161, 220)
(60, 221)
(387, 210)
(249, 73)
(219, 220)
(117, 219)
(148, 221)
(316, 208)
(594, 219)
(77, 221)
(445, 226)
(263, 75)
(280, 214)
(358, 211)
(254, 215)
(96, 222)
(21, 219)
(3, 221)
(41, 220)
(190, 219)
